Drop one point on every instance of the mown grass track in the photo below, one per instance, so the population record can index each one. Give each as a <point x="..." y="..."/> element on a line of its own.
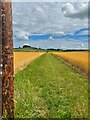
<point x="49" y="88"/>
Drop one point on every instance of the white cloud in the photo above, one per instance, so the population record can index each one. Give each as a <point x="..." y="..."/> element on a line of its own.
<point x="14" y="23"/>
<point x="59" y="33"/>
<point x="39" y="10"/>
<point x="48" y="1"/>
<point x="27" y="44"/>
<point x="51" y="38"/>
<point x="44" y="18"/>
<point x="82" y="45"/>
<point x="84" y="32"/>
<point x="73" y="11"/>
<point x="22" y="35"/>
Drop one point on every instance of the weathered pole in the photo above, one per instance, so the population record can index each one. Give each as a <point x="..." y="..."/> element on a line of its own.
<point x="7" y="61"/>
<point x="0" y="62"/>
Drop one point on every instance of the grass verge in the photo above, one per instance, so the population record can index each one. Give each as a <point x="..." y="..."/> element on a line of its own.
<point x="48" y="88"/>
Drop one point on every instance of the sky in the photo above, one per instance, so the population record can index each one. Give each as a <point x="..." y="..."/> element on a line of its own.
<point x="59" y="25"/>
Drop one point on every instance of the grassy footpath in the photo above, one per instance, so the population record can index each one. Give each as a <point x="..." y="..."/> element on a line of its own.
<point x="51" y="89"/>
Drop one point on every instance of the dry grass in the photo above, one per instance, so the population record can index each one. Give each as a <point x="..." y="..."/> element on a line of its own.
<point x="78" y="59"/>
<point x="22" y="59"/>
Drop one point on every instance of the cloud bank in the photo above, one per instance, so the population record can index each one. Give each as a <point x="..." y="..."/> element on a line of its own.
<point x="76" y="11"/>
<point x="45" y="25"/>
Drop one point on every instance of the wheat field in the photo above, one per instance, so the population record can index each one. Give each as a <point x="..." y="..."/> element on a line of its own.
<point x="22" y="59"/>
<point x="78" y="59"/>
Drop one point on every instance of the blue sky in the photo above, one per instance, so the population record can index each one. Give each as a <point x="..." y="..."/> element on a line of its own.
<point x="51" y="25"/>
<point x="76" y="35"/>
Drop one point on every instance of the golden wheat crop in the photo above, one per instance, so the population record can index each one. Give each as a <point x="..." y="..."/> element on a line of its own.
<point x="78" y="59"/>
<point x="22" y="59"/>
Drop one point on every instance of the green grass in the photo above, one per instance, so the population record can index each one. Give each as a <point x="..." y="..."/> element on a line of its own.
<point x="48" y="88"/>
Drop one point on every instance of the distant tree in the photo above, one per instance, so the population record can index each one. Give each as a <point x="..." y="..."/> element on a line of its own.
<point x="26" y="46"/>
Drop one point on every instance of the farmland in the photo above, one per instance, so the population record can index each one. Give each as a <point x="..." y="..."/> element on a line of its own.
<point x="77" y="59"/>
<point x="22" y="59"/>
<point x="49" y="88"/>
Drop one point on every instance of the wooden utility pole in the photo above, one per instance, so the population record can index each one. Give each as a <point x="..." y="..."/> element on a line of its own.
<point x="0" y="62"/>
<point x="7" y="60"/>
